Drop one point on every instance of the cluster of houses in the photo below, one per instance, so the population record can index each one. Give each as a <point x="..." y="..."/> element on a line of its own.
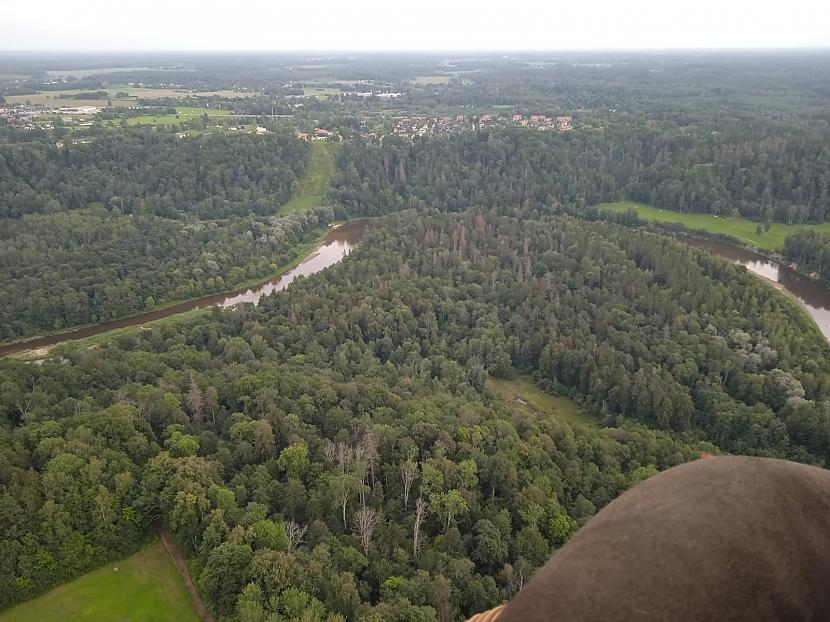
<point x="379" y="95"/>
<point x="25" y="111"/>
<point x="416" y="127"/>
<point x="25" y="117"/>
<point x="78" y="110"/>
<point x="22" y="111"/>
<point x="319" y="133"/>
<point x="544" y="122"/>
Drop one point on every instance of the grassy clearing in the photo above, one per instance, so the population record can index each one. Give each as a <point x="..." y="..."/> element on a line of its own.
<point x="524" y="392"/>
<point x="183" y="114"/>
<point x="49" y="99"/>
<point x="146" y="588"/>
<point x="149" y="93"/>
<point x="53" y="98"/>
<point x="424" y="80"/>
<point x="321" y="91"/>
<point x="315" y="184"/>
<point x="741" y="228"/>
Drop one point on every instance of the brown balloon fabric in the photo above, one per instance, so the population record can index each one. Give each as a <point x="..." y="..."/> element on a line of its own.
<point x="729" y="538"/>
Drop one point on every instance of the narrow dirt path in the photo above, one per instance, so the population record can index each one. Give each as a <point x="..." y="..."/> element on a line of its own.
<point x="178" y="559"/>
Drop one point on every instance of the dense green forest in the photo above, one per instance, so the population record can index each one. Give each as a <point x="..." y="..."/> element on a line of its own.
<point x="138" y="218"/>
<point x="811" y="251"/>
<point x="148" y="172"/>
<point x="736" y="171"/>
<point x="336" y="450"/>
<point x="73" y="268"/>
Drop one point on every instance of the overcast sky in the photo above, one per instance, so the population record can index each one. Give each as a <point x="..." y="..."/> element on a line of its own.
<point x="419" y="25"/>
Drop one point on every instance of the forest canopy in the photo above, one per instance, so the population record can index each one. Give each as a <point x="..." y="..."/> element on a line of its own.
<point x="349" y="458"/>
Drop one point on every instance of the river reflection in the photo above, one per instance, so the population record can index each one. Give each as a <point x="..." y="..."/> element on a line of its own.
<point x="813" y="297"/>
<point x="336" y="245"/>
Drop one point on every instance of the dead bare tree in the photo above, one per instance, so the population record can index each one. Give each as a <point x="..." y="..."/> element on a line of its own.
<point x="344" y="488"/>
<point x="420" y="515"/>
<point x="196" y="401"/>
<point x="514" y="576"/>
<point x="330" y="452"/>
<point x="295" y="533"/>
<point x="344" y="456"/>
<point x="370" y="451"/>
<point x="366" y="521"/>
<point x="360" y="467"/>
<point x="409" y="470"/>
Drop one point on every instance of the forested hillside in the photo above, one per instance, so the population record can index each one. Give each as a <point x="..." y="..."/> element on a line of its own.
<point x="336" y="451"/>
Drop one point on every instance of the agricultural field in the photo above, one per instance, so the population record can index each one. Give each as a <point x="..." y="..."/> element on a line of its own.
<point x="54" y="99"/>
<point x="523" y="390"/>
<point x="85" y="73"/>
<point x="151" y="93"/>
<point x="145" y="588"/>
<point x="740" y="228"/>
<point x="183" y="114"/>
<point x="321" y="91"/>
<point x="315" y="184"/>
<point x="424" y="80"/>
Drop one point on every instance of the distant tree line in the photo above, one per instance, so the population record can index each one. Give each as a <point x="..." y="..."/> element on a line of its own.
<point x="768" y="177"/>
<point x="142" y="171"/>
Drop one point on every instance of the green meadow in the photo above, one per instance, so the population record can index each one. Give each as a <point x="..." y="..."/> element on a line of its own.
<point x="312" y="189"/>
<point x="424" y="80"/>
<point x="145" y="588"/>
<point x="183" y="113"/>
<point x="737" y="227"/>
<point x="57" y="99"/>
<point x="321" y="91"/>
<point x="525" y="393"/>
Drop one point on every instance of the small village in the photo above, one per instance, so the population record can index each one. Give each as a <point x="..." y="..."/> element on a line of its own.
<point x="411" y="128"/>
<point x="418" y="127"/>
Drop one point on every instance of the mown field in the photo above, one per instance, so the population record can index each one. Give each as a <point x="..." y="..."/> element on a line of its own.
<point x="315" y="184"/>
<point x="321" y="91"/>
<point x="524" y="392"/>
<point x="183" y="113"/>
<point x="424" y="80"/>
<point x="146" y="588"/>
<point x="741" y="228"/>
<point x="54" y="99"/>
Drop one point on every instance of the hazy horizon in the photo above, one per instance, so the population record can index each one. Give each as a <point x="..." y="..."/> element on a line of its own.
<point x="430" y="26"/>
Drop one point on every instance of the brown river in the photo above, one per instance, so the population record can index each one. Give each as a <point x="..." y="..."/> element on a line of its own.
<point x="813" y="297"/>
<point x="336" y="245"/>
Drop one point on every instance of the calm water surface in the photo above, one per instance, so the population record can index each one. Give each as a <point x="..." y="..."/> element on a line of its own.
<point x="812" y="296"/>
<point x="336" y="245"/>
